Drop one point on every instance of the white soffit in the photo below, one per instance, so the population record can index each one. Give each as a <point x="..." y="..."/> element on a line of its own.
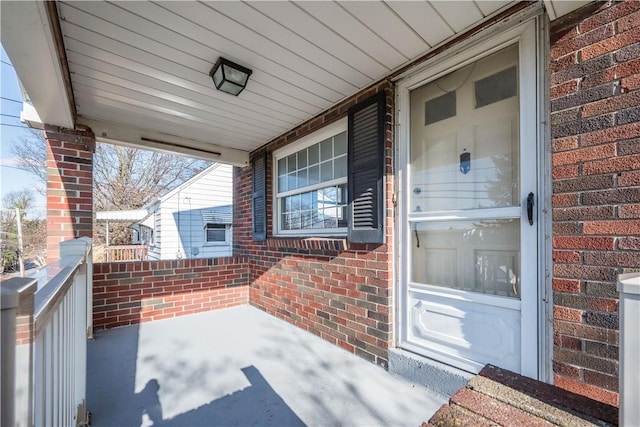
<point x="145" y="65"/>
<point x="559" y="8"/>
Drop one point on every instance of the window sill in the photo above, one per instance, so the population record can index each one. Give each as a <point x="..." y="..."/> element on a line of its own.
<point x="310" y="243"/>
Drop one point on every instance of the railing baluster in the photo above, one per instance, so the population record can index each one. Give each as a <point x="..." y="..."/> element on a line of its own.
<point x="57" y="369"/>
<point x="126" y="253"/>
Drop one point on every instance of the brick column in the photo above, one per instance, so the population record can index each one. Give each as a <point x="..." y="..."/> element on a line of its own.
<point x="595" y="116"/>
<point x="69" y="186"/>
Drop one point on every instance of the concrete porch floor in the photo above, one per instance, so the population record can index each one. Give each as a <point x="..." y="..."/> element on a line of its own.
<point x="241" y="367"/>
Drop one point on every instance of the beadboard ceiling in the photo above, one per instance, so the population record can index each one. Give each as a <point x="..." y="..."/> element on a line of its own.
<point x="146" y="64"/>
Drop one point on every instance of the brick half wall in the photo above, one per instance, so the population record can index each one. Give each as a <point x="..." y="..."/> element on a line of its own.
<point x="595" y="113"/>
<point x="128" y="293"/>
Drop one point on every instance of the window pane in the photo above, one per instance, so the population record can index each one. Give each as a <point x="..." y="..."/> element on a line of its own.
<point x="314" y="174"/>
<point x="340" y="144"/>
<point x="291" y="163"/>
<point x="499" y="86"/>
<point x="306" y="201"/>
<point x="295" y="203"/>
<point x="321" y="209"/>
<point x="302" y="178"/>
<point x="302" y="159"/>
<point x="330" y="218"/>
<point x="305" y="220"/>
<point x="314" y="154"/>
<point x="282" y="167"/>
<point x="440" y="108"/>
<point x="326" y="171"/>
<point x="326" y="149"/>
<point x="340" y="167"/>
<point x="480" y="256"/>
<point x="285" y="222"/>
<point x="295" y="220"/>
<point x="293" y="181"/>
<point x="282" y="183"/>
<point x="215" y="233"/>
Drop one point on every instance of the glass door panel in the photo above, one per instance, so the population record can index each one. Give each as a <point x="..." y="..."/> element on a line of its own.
<point x="465" y="138"/>
<point x="465" y="157"/>
<point x="479" y="256"/>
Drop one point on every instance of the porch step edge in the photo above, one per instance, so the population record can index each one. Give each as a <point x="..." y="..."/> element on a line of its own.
<point x="436" y="376"/>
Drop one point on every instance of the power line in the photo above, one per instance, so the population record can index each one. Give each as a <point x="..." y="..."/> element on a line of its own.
<point x="10" y="115"/>
<point x="9" y="99"/>
<point x="14" y="126"/>
<point x="8" y="63"/>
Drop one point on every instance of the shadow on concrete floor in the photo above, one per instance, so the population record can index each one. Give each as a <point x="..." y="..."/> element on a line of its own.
<point x="240" y="366"/>
<point x="256" y="405"/>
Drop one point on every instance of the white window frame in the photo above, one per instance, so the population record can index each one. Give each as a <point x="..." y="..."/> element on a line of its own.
<point x="218" y="242"/>
<point x="305" y="142"/>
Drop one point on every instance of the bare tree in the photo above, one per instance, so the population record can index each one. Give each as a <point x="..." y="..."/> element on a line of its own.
<point x="20" y="199"/>
<point x="123" y="177"/>
<point x="129" y="178"/>
<point x="32" y="156"/>
<point x="34" y="231"/>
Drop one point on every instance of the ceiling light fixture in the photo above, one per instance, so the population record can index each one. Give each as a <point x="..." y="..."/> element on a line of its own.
<point x="229" y="77"/>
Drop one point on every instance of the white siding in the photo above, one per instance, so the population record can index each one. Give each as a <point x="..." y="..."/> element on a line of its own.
<point x="181" y="228"/>
<point x="154" y="248"/>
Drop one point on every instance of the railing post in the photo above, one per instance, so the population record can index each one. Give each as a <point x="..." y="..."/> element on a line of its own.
<point x="9" y="298"/>
<point x="629" y="288"/>
<point x="15" y="369"/>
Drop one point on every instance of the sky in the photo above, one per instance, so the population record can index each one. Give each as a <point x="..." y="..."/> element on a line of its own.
<point x="12" y="178"/>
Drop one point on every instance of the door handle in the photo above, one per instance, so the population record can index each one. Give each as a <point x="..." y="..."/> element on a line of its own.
<point x="530" y="208"/>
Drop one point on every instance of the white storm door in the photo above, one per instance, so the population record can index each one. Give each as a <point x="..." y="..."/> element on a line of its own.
<point x="470" y="280"/>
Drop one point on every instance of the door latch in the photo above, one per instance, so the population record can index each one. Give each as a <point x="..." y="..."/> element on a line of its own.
<point x="530" y="208"/>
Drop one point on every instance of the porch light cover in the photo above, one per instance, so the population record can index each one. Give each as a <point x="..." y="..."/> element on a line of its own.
<point x="229" y="77"/>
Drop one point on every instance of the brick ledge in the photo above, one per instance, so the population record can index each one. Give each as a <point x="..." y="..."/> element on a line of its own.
<point x="503" y="398"/>
<point x="311" y="243"/>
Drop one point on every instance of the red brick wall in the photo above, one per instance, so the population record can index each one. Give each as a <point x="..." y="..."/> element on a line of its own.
<point x="595" y="113"/>
<point x="127" y="293"/>
<point x="340" y="293"/>
<point x="69" y="186"/>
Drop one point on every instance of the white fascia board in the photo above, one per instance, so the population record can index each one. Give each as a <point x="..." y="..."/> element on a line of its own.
<point x="28" y="39"/>
<point x="548" y="5"/>
<point x="151" y="140"/>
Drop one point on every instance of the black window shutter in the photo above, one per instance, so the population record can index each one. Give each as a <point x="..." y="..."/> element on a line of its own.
<point x="366" y="170"/>
<point x="259" y="197"/>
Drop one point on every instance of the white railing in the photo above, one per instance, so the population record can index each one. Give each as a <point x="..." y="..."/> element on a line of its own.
<point x="124" y="253"/>
<point x="48" y="360"/>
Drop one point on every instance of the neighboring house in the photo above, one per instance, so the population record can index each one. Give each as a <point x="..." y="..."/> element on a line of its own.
<point x="457" y="182"/>
<point x="193" y="220"/>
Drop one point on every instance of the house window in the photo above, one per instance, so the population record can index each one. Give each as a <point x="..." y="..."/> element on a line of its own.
<point x="215" y="233"/>
<point x="311" y="179"/>
<point x="311" y="184"/>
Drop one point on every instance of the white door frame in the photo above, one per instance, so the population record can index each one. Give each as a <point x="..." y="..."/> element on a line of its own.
<point x="536" y="359"/>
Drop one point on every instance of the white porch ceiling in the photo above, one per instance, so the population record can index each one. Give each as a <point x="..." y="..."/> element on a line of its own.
<point x="146" y="65"/>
